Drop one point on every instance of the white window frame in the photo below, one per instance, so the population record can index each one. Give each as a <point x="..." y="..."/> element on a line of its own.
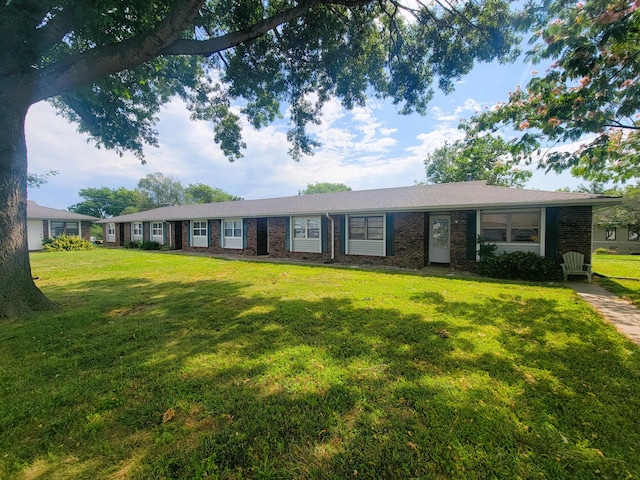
<point x="199" y="233"/>
<point x="306" y="234"/>
<point x="510" y="229"/>
<point x="134" y="229"/>
<point x="155" y="236"/>
<point x="376" y="247"/>
<point x="538" y="247"/>
<point x="235" y="240"/>
<point x="111" y="232"/>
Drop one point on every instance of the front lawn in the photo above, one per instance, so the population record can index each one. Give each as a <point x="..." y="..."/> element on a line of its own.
<point x="172" y="366"/>
<point x="623" y="272"/>
<point x="625" y="266"/>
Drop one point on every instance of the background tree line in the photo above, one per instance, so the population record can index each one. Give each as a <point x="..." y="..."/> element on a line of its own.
<point x="153" y="191"/>
<point x="158" y="190"/>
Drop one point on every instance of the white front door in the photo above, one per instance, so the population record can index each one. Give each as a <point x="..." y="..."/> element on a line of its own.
<point x="34" y="234"/>
<point x="439" y="238"/>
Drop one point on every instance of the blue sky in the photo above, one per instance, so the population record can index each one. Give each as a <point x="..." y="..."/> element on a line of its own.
<point x="370" y="147"/>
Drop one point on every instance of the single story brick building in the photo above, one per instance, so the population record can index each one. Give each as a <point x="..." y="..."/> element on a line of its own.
<point x="405" y="227"/>
<point x="45" y="222"/>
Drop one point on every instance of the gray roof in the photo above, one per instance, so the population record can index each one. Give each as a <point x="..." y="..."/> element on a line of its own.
<point x="37" y="212"/>
<point x="439" y="197"/>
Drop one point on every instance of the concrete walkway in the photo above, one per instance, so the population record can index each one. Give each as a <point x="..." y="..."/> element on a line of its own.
<point x="620" y="313"/>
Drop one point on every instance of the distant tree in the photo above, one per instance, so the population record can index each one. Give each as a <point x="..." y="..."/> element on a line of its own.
<point x="201" y="193"/>
<point x="485" y="159"/>
<point x="324" y="187"/>
<point x="627" y="214"/>
<point x="593" y="187"/>
<point x="96" y="231"/>
<point x="590" y="92"/>
<point x="161" y="190"/>
<point x="105" y="202"/>
<point x="36" y="180"/>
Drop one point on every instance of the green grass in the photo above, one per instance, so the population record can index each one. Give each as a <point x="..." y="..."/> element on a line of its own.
<point x="623" y="275"/>
<point x="625" y="266"/>
<point x="169" y="366"/>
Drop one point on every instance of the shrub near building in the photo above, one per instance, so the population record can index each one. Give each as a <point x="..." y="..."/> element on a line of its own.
<point x="66" y="243"/>
<point x="519" y="266"/>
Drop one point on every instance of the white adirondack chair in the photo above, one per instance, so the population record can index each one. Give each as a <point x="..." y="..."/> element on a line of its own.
<point x="574" y="265"/>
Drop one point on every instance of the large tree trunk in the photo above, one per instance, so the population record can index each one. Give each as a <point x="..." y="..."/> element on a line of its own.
<point x="18" y="293"/>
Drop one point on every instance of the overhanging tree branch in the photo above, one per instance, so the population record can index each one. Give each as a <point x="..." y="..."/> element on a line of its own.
<point x="86" y="67"/>
<point x="224" y="42"/>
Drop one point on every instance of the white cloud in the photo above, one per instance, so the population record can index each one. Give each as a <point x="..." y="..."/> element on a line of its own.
<point x="470" y="106"/>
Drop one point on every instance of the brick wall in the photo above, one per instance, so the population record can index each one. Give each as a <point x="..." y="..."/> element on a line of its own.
<point x="146" y="231"/>
<point x="214" y="239"/>
<point x="574" y="227"/>
<point x="85" y="230"/>
<point x="458" y="250"/>
<point x="408" y="243"/>
<point x="277" y="241"/>
<point x="127" y="233"/>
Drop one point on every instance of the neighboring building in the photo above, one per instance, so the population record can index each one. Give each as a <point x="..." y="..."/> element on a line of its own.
<point x="617" y="239"/>
<point x="44" y="222"/>
<point x="404" y="227"/>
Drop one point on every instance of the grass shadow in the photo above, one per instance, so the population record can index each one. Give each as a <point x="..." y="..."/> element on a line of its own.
<point x="178" y="379"/>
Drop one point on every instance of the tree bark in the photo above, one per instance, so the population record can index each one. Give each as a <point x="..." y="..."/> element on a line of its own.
<point x="18" y="294"/>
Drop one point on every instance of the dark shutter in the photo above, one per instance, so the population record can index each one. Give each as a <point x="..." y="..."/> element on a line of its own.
<point x="343" y="233"/>
<point x="209" y="232"/>
<point x="221" y="233"/>
<point x="190" y="238"/>
<point x="389" y="232"/>
<point x="287" y="234"/>
<point x="245" y="223"/>
<point x="323" y="233"/>
<point x="552" y="233"/>
<point x="472" y="236"/>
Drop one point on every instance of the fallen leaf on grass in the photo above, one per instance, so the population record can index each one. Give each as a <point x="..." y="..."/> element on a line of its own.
<point x="168" y="415"/>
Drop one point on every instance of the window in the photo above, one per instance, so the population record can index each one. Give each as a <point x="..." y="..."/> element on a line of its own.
<point x="306" y="228"/>
<point x="137" y="229"/>
<point x="511" y="227"/>
<point x="65" y="228"/>
<point x="156" y="229"/>
<point x="199" y="229"/>
<point x="233" y="228"/>
<point x="366" y="228"/>
<point x="634" y="234"/>
<point x="610" y="233"/>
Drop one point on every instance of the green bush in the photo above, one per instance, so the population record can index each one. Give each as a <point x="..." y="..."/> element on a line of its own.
<point x="486" y="249"/>
<point x="66" y="243"/>
<point x="147" y="245"/>
<point x="519" y="266"/>
<point x="133" y="244"/>
<point x="600" y="251"/>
